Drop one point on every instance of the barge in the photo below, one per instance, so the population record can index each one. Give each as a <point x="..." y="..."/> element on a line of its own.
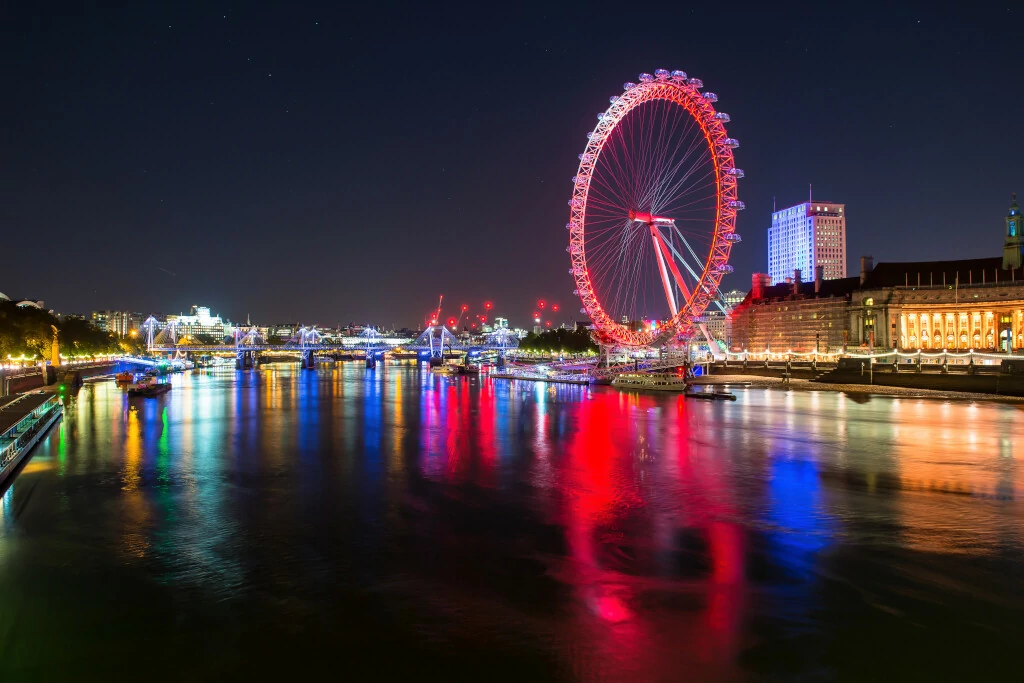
<point x="24" y="421"/>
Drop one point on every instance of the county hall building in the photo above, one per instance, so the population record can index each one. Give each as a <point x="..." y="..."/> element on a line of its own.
<point x="932" y="305"/>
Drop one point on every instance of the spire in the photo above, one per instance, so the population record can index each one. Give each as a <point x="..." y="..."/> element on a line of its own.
<point x="1014" y="208"/>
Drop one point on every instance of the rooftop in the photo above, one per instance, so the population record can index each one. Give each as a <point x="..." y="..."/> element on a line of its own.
<point x="13" y="409"/>
<point x="963" y="273"/>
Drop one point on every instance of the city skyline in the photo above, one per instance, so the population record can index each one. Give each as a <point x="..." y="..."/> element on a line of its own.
<point x="189" y="155"/>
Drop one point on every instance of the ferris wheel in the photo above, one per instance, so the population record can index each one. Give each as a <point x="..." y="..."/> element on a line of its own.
<point x="653" y="211"/>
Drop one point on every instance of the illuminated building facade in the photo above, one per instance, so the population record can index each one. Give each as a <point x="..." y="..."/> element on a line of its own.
<point x="734" y="297"/>
<point x="117" y="322"/>
<point x="806" y="236"/>
<point x="793" y="316"/>
<point x="201" y="322"/>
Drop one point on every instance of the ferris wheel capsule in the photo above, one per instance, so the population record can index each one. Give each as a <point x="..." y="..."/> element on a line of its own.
<point x="732" y="143"/>
<point x="661" y="74"/>
<point x="734" y="172"/>
<point x="679" y="75"/>
<point x="723" y="117"/>
<point x="628" y="85"/>
<point x="710" y="97"/>
<point x="613" y="99"/>
<point x="737" y="204"/>
<point x="696" y="82"/>
<point x="646" y="78"/>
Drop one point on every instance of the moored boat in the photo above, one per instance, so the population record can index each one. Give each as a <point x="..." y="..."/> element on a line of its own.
<point x="124" y="377"/>
<point x="24" y="421"/>
<point x="711" y="395"/>
<point x="148" y="386"/>
<point x="650" y="382"/>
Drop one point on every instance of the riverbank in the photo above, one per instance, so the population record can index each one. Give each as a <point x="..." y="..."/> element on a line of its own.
<point x="800" y="384"/>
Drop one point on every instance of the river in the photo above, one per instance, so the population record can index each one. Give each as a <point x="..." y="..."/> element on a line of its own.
<point x="394" y="524"/>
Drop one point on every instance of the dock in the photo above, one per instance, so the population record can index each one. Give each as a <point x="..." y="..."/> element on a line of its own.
<point x="561" y="379"/>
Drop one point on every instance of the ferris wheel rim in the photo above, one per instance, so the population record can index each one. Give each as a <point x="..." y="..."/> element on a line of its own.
<point x="685" y="93"/>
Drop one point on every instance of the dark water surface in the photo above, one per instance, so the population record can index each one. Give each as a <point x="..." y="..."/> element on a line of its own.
<point x="392" y="524"/>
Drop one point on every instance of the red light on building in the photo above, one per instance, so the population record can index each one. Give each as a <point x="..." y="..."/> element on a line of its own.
<point x="548" y="323"/>
<point x="464" y="307"/>
<point x="487" y="305"/>
<point x="451" y="321"/>
<point x="541" y="304"/>
<point x="554" y="307"/>
<point x="536" y="314"/>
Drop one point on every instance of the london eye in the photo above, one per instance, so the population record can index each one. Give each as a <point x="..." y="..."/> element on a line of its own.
<point x="653" y="211"/>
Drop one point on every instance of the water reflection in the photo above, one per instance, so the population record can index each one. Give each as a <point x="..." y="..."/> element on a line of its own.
<point x="548" y="532"/>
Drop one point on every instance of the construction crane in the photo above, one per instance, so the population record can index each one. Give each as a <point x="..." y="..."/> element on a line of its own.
<point x="437" y="312"/>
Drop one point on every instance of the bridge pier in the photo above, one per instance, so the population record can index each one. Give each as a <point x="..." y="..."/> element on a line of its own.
<point x="308" y="360"/>
<point x="371" y="360"/>
<point x="245" y="360"/>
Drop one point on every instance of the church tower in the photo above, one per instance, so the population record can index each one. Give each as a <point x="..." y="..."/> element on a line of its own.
<point x="1014" y="245"/>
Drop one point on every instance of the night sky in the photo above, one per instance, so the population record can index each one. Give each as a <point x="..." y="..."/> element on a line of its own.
<point x="350" y="163"/>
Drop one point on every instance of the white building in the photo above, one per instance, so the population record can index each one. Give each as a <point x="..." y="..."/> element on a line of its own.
<point x="201" y="322"/>
<point x="805" y="236"/>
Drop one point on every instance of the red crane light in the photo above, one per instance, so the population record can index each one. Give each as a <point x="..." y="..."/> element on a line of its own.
<point x="541" y="303"/>
<point x="451" y="321"/>
<point x="464" y="307"/>
<point x="554" y="307"/>
<point x="536" y="314"/>
<point x="548" y="323"/>
<point x="487" y="305"/>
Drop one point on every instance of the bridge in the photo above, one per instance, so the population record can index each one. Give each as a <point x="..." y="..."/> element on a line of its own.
<point x="432" y="344"/>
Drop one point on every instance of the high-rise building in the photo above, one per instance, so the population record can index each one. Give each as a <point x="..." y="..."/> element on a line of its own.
<point x="118" y="322"/>
<point x="805" y="236"/>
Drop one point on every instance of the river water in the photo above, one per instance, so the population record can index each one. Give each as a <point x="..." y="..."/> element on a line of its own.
<point x="393" y="524"/>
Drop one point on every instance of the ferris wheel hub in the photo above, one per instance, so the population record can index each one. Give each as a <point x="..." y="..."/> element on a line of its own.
<point x="646" y="217"/>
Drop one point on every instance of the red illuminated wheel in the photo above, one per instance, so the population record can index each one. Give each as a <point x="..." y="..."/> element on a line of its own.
<point x="653" y="211"/>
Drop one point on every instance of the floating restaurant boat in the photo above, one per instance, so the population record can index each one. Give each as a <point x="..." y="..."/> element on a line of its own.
<point x="24" y="420"/>
<point x="148" y="386"/>
<point x="124" y="377"/>
<point x="650" y="382"/>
